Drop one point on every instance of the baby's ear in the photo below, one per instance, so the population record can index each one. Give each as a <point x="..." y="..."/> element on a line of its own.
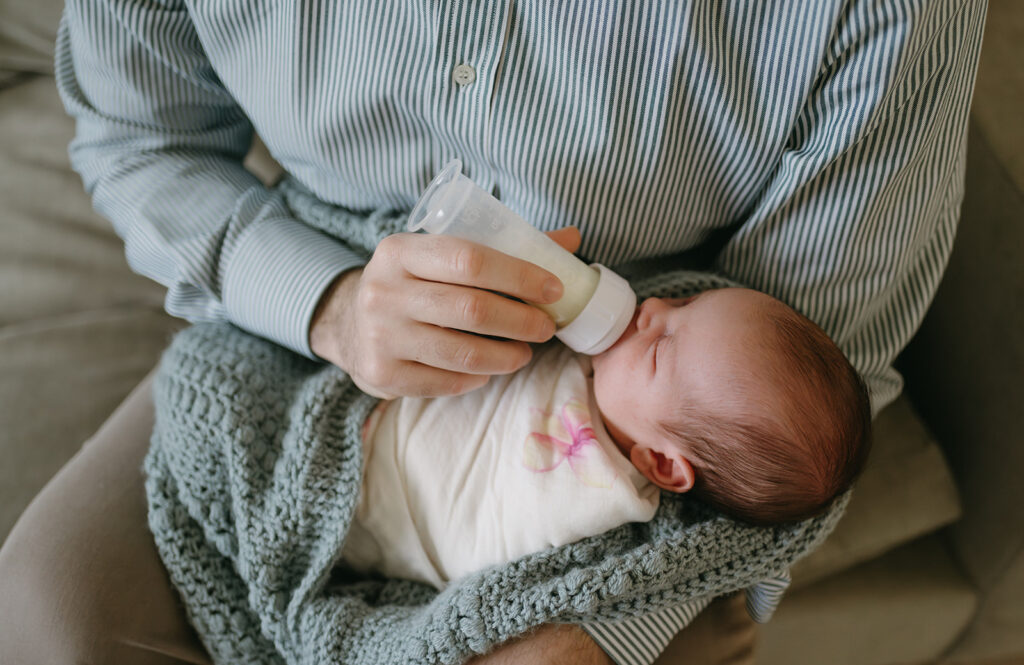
<point x="668" y="469"/>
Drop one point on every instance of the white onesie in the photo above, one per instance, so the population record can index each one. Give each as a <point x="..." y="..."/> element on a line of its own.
<point x="455" y="484"/>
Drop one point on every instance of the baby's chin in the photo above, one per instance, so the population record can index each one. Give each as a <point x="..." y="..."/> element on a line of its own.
<point x="627" y="334"/>
<point x="596" y="361"/>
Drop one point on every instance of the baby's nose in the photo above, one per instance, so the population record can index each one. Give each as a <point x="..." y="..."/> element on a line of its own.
<point x="648" y="310"/>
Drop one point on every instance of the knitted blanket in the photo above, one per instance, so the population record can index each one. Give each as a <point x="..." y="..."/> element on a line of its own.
<point x="254" y="474"/>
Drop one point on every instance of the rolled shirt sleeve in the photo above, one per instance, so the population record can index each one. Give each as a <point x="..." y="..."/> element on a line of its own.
<point x="159" y="145"/>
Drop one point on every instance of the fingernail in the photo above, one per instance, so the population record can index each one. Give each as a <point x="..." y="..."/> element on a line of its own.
<point x="552" y="290"/>
<point x="549" y="330"/>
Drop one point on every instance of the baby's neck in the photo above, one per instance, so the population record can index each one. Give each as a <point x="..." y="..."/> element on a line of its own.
<point x="621" y="441"/>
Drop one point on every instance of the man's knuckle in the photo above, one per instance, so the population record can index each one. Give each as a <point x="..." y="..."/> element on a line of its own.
<point x="474" y="310"/>
<point x="468" y="262"/>
<point x="469" y="357"/>
<point x="375" y="336"/>
<point x="388" y="247"/>
<point x="372" y="296"/>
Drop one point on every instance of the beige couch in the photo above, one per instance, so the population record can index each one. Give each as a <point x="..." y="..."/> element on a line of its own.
<point x="926" y="566"/>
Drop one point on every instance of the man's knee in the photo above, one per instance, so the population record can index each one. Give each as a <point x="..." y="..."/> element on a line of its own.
<point x="45" y="608"/>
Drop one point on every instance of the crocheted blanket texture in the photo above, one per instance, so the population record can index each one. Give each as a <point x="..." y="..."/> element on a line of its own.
<point x="253" y="476"/>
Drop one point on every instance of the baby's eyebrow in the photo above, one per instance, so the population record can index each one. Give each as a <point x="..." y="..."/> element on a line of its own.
<point x="689" y="299"/>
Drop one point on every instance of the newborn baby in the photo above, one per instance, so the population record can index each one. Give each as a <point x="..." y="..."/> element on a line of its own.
<point x="729" y="394"/>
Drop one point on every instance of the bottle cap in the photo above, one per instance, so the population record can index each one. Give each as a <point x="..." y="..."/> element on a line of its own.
<point x="605" y="316"/>
<point x="440" y="201"/>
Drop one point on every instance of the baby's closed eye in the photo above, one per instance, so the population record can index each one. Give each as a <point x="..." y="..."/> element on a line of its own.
<point x="656" y="345"/>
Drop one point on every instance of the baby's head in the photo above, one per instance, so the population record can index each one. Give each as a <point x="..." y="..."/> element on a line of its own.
<point x="733" y="394"/>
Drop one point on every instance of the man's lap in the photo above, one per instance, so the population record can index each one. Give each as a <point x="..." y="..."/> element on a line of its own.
<point x="81" y="581"/>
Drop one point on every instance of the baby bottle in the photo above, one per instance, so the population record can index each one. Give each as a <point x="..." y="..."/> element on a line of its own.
<point x="596" y="304"/>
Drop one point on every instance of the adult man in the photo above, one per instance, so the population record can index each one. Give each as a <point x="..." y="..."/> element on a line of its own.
<point x="824" y="139"/>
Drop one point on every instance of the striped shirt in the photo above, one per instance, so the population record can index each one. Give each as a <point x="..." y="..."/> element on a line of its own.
<point x="824" y="138"/>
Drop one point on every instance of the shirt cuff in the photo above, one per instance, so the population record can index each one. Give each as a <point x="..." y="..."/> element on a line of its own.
<point x="640" y="640"/>
<point x="764" y="597"/>
<point x="278" y="270"/>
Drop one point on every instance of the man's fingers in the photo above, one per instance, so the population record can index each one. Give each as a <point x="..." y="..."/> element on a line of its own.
<point x="568" y="237"/>
<point x="428" y="315"/>
<point x="450" y="260"/>
<point x="477" y="311"/>
<point x="421" y="381"/>
<point x="464" y="353"/>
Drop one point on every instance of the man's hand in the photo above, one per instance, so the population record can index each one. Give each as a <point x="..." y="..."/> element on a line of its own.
<point x="412" y="321"/>
<point x="551" y="644"/>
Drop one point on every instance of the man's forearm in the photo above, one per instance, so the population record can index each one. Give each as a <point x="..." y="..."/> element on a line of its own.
<point x="554" y="644"/>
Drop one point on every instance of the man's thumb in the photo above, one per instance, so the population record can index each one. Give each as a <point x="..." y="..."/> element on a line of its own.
<point x="568" y="237"/>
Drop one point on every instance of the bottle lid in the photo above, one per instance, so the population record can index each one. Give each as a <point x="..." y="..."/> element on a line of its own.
<point x="434" y="211"/>
<point x="604" y="318"/>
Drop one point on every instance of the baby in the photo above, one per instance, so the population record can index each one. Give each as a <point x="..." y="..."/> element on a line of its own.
<point x="729" y="394"/>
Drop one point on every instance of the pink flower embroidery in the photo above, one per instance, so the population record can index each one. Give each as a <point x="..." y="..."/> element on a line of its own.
<point x="568" y="436"/>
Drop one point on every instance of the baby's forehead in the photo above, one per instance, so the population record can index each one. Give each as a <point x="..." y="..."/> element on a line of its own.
<point x="741" y="297"/>
<point x="757" y="323"/>
<point x="736" y="306"/>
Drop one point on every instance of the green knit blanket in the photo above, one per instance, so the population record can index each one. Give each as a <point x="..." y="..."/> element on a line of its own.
<point x="254" y="474"/>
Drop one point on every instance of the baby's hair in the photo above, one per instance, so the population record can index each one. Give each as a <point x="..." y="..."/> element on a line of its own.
<point x="770" y="465"/>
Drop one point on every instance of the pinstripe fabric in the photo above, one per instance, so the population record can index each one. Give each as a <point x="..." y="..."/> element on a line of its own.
<point x="826" y="136"/>
<point x="762" y="599"/>
<point x="641" y="640"/>
<point x="620" y="639"/>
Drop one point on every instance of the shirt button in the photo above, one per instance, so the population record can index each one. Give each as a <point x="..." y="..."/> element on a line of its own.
<point x="463" y="74"/>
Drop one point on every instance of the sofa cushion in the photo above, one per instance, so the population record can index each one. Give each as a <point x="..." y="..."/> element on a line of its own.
<point x="77" y="328"/>
<point x="845" y="621"/>
<point x="56" y="256"/>
<point x="60" y="377"/>
<point x="999" y="89"/>
<point x="28" y="30"/>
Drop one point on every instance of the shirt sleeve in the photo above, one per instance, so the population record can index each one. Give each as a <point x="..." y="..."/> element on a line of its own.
<point x="855" y="226"/>
<point x="763" y="598"/>
<point x="640" y="640"/>
<point x="159" y="144"/>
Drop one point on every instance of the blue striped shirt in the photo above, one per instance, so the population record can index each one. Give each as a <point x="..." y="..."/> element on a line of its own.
<point x="825" y="138"/>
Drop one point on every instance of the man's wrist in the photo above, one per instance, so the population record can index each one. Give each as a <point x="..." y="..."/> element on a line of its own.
<point x="330" y="315"/>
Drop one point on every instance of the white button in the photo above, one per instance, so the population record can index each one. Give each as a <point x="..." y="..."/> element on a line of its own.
<point x="463" y="74"/>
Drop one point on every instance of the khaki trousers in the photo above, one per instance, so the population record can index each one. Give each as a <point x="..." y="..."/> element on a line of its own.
<point x="81" y="581"/>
